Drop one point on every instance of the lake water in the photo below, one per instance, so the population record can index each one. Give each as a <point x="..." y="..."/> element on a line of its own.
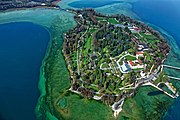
<point x="165" y="14"/>
<point x="92" y="3"/>
<point x="23" y="45"/>
<point x="22" y="48"/>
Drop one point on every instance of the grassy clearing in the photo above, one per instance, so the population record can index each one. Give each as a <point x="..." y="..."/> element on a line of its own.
<point x="74" y="58"/>
<point x="88" y="45"/>
<point x="92" y="30"/>
<point x="100" y="19"/>
<point x="84" y="61"/>
<point x="138" y="69"/>
<point x="137" y="35"/>
<point x="113" y="21"/>
<point x="103" y="22"/>
<point x="153" y="42"/>
<point x="129" y="57"/>
<point x="105" y="65"/>
<point x="93" y="87"/>
<point x="151" y="37"/>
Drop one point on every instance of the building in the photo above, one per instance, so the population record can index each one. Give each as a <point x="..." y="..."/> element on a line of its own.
<point x="134" y="29"/>
<point x="139" y="54"/>
<point x="135" y="64"/>
<point x="125" y="68"/>
<point x="119" y="25"/>
<point x="143" y="47"/>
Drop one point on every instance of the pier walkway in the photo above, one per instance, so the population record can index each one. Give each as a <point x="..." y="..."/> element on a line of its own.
<point x="150" y="84"/>
<point x="174" y="78"/>
<point x="173" y="67"/>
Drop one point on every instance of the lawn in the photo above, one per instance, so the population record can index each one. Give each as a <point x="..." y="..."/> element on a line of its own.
<point x="149" y="58"/>
<point x="153" y="41"/>
<point x="129" y="57"/>
<point x="113" y="21"/>
<point x="105" y="65"/>
<point x="100" y="19"/>
<point x="93" y="87"/>
<point x="151" y="37"/>
<point x="137" y="35"/>
<point x="137" y="69"/>
<point x="104" y="22"/>
<point x="92" y="30"/>
<point x="85" y="61"/>
<point x="74" y="58"/>
<point x="88" y="45"/>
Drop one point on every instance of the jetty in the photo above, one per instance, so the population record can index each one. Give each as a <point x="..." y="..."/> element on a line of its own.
<point x="150" y="84"/>
<point x="174" y="78"/>
<point x="173" y="67"/>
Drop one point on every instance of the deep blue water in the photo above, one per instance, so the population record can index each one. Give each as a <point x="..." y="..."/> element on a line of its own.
<point x="165" y="14"/>
<point x="92" y="3"/>
<point x="22" y="48"/>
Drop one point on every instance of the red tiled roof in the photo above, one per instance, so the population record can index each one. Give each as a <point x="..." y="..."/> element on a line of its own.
<point x="130" y="62"/>
<point x="137" y="29"/>
<point x="139" y="53"/>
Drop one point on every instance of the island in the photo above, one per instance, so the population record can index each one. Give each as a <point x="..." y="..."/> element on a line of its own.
<point x="110" y="57"/>
<point x="101" y="67"/>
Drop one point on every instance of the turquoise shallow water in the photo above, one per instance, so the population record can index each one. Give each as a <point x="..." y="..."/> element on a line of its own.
<point x="38" y="16"/>
<point x="92" y="3"/>
<point x="22" y="48"/>
<point x="157" y="12"/>
<point x="26" y="32"/>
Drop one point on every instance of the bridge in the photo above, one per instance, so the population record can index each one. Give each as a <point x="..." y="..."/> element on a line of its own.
<point x="173" y="67"/>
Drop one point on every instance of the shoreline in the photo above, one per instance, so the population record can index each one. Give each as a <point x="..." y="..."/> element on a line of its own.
<point x="44" y="109"/>
<point x="42" y="72"/>
<point x="37" y="7"/>
<point x="42" y="79"/>
<point x="54" y="5"/>
<point x="44" y="40"/>
<point x="158" y="35"/>
<point x="67" y="23"/>
<point x="169" y="38"/>
<point x="44" y="65"/>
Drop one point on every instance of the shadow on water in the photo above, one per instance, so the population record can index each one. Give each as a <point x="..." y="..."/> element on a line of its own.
<point x="155" y="93"/>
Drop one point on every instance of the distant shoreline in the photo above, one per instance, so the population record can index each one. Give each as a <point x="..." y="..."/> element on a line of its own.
<point x="54" y="6"/>
<point x="45" y="7"/>
<point x="17" y="9"/>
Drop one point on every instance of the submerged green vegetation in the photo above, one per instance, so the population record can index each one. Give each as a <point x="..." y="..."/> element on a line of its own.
<point x="53" y="71"/>
<point x="55" y="79"/>
<point x="110" y="57"/>
<point x="56" y="102"/>
<point x="144" y="106"/>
